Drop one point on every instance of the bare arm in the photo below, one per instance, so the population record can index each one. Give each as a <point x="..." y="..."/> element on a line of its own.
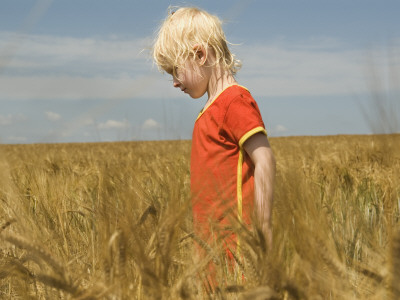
<point x="259" y="150"/>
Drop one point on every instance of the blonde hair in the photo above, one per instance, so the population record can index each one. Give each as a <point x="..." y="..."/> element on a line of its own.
<point x="185" y="28"/>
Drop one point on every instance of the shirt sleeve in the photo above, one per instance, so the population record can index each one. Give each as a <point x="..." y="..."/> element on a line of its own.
<point x="243" y="119"/>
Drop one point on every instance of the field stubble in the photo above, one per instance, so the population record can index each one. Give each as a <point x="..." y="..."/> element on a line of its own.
<point x="113" y="221"/>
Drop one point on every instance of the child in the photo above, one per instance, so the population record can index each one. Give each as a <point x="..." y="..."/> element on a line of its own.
<point x="232" y="164"/>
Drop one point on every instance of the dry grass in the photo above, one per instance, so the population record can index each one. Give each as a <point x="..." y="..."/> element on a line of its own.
<point x="112" y="221"/>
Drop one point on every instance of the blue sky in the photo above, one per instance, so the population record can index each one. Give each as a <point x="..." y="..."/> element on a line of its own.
<point x="79" y="71"/>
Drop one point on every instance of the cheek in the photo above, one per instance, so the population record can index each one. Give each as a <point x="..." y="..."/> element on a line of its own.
<point x="180" y="76"/>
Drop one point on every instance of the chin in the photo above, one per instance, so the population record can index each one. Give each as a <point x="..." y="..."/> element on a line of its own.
<point x="197" y="96"/>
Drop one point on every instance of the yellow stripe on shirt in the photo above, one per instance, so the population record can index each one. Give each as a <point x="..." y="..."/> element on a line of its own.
<point x="245" y="137"/>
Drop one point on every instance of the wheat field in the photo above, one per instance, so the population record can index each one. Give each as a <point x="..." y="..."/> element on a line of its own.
<point x="113" y="221"/>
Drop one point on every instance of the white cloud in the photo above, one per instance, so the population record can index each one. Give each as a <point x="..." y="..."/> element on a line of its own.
<point x="70" y="87"/>
<point x="283" y="72"/>
<point x="86" y="121"/>
<point x="41" y="53"/>
<point x="280" y="128"/>
<point x="112" y="124"/>
<point x="5" y="120"/>
<point x="17" y="139"/>
<point x="320" y="67"/>
<point x="150" y="124"/>
<point x="52" y="116"/>
<point x="11" y="119"/>
<point x="277" y="130"/>
<point x="50" y="67"/>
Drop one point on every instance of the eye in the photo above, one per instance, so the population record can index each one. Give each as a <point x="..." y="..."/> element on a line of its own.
<point x="172" y="71"/>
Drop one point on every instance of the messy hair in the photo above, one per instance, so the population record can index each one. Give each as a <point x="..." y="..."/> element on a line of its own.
<point x="182" y="30"/>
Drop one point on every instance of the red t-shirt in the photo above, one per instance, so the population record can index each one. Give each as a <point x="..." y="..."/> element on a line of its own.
<point x="222" y="182"/>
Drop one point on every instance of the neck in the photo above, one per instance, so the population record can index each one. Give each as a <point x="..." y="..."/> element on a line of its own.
<point x="219" y="81"/>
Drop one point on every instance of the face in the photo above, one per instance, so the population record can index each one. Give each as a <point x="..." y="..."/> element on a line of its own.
<point x="192" y="78"/>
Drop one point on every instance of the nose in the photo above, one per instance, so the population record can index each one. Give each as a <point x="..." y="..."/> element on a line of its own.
<point x="175" y="82"/>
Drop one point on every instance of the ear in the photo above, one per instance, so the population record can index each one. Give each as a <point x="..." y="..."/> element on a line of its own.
<point x="200" y="54"/>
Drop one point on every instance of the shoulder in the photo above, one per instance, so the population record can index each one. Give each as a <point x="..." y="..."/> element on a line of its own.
<point x="242" y="116"/>
<point x="240" y="97"/>
<point x="242" y="108"/>
<point x="236" y="95"/>
<point x="234" y="100"/>
<point x="239" y="90"/>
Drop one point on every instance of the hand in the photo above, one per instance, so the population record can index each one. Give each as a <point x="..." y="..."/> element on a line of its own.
<point x="265" y="235"/>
